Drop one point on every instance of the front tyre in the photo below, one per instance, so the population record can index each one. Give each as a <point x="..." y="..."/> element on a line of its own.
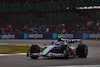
<point x="33" y="57"/>
<point x="34" y="49"/>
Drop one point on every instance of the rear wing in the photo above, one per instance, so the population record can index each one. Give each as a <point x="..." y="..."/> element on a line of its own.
<point x="72" y="40"/>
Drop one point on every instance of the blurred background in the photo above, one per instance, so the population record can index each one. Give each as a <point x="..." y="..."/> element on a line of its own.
<point x="43" y="16"/>
<point x="47" y="19"/>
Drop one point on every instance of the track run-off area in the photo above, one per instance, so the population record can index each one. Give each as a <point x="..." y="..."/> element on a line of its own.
<point x="93" y="57"/>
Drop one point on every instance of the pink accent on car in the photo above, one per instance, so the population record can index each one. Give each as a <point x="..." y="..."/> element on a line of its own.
<point x="60" y="49"/>
<point x="40" y="54"/>
<point x="48" y="54"/>
<point x="42" y="47"/>
<point x="72" y="47"/>
<point x="37" y="48"/>
<point x="86" y="49"/>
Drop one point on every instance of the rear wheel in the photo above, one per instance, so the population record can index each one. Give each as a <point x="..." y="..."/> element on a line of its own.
<point x="82" y="51"/>
<point x="34" y="49"/>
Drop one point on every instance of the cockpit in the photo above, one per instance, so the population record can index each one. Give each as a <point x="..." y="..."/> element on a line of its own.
<point x="57" y="43"/>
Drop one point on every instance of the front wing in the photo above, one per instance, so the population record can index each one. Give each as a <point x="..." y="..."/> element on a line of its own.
<point x="48" y="55"/>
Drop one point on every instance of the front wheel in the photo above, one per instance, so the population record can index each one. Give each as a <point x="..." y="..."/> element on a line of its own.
<point x="33" y="57"/>
<point x="34" y="49"/>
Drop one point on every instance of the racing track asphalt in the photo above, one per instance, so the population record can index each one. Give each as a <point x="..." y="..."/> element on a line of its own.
<point x="23" y="61"/>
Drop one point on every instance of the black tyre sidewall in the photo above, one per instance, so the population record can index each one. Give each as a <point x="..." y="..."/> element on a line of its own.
<point x="33" y="50"/>
<point x="81" y="51"/>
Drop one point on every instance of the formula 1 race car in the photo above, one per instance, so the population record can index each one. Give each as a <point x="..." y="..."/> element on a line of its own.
<point x="60" y="48"/>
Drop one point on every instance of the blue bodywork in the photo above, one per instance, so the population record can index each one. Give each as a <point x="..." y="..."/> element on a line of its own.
<point x="51" y="47"/>
<point x="56" y="46"/>
<point x="62" y="42"/>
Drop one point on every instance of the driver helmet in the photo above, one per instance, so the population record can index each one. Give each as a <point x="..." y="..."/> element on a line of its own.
<point x="60" y="38"/>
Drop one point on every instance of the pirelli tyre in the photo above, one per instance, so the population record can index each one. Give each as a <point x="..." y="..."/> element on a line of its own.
<point x="66" y="51"/>
<point x="34" y="49"/>
<point x="82" y="51"/>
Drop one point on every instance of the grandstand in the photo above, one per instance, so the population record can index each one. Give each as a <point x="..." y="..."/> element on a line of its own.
<point x="13" y="5"/>
<point x="56" y="15"/>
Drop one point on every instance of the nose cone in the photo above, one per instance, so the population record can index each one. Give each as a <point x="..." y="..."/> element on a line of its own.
<point x="47" y="50"/>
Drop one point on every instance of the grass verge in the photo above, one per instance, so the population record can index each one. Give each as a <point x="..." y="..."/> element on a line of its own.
<point x="10" y="49"/>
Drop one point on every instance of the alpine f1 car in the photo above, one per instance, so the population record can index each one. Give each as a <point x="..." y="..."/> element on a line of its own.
<point x="60" y="48"/>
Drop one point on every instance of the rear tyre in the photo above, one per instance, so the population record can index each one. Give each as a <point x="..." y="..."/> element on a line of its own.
<point x="82" y="51"/>
<point x="34" y="49"/>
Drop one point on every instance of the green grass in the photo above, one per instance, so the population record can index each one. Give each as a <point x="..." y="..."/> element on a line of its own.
<point x="10" y="49"/>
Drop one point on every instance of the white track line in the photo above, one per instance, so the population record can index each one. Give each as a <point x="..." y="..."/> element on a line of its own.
<point x="12" y="54"/>
<point x="76" y="66"/>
